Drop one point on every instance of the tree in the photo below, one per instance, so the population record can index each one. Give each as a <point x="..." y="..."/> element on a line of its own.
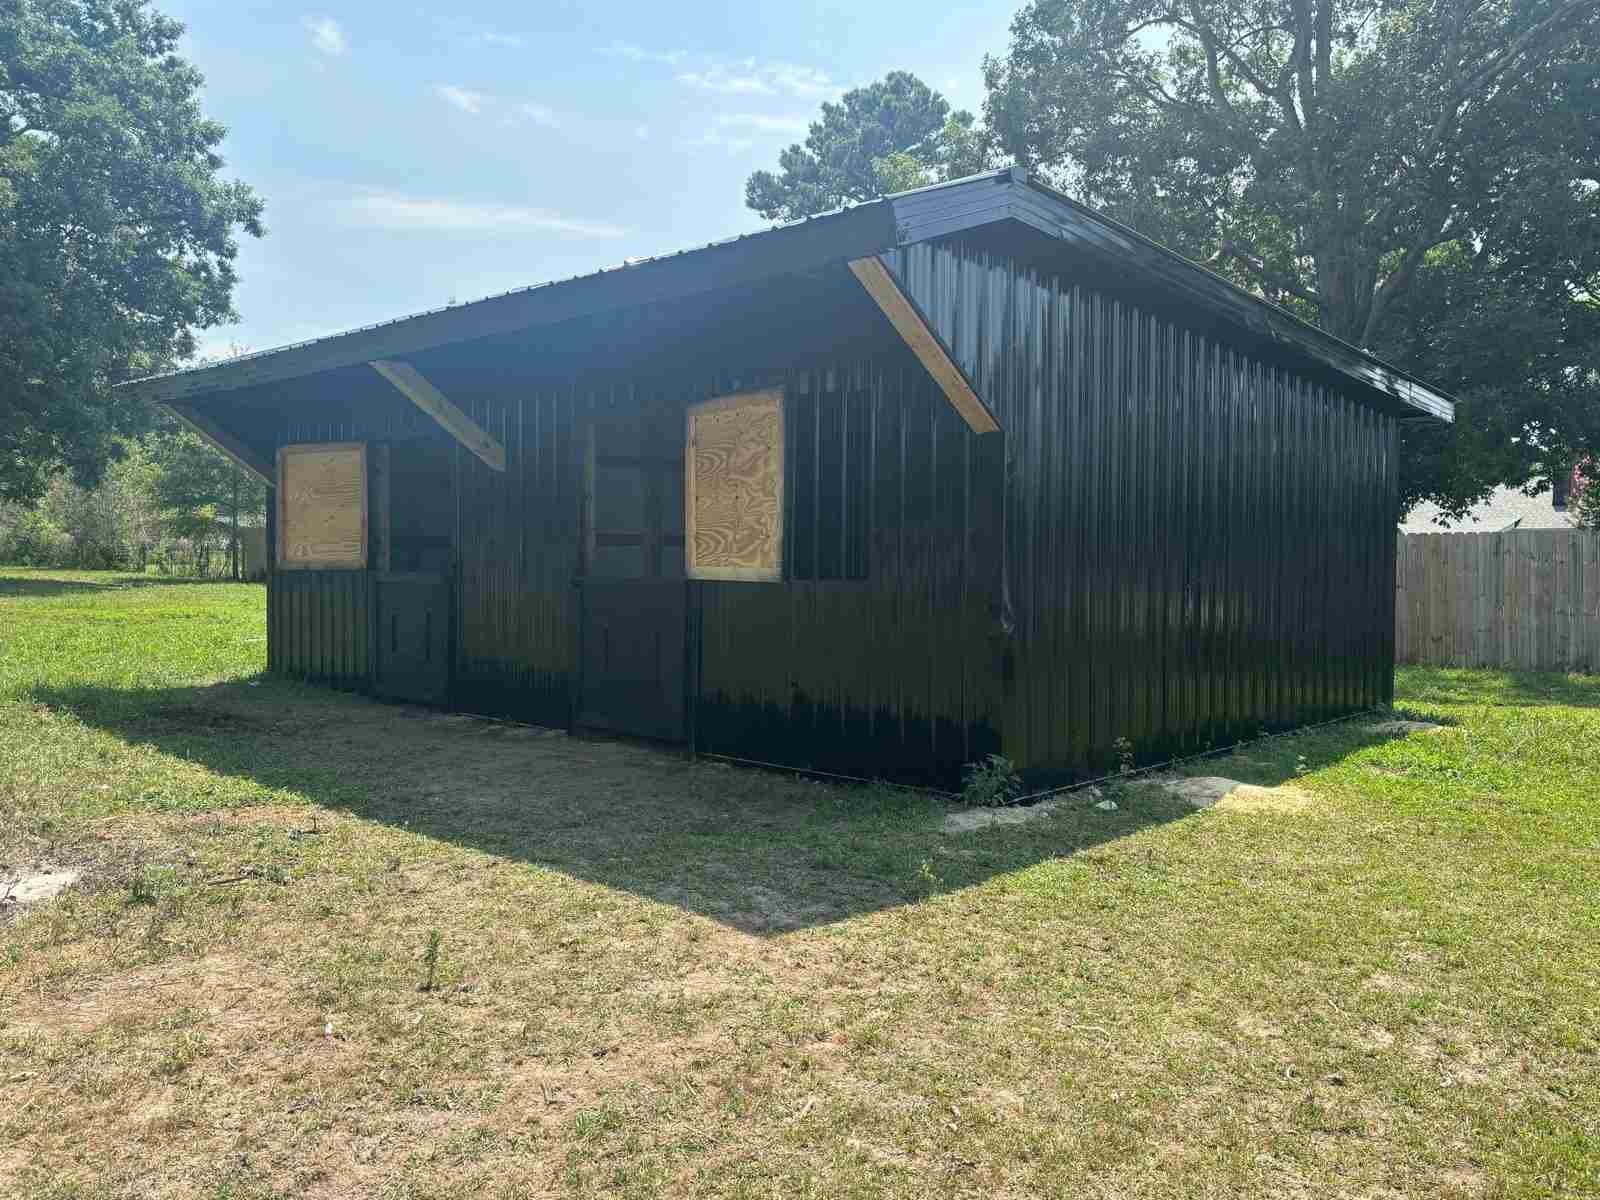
<point x="1586" y="497"/>
<point x="1355" y="160"/>
<point x="891" y="135"/>
<point x="117" y="234"/>
<point x="198" y="489"/>
<point x="1522" y="356"/>
<point x="111" y="525"/>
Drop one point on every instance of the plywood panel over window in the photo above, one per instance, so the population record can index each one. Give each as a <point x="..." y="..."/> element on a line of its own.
<point x="322" y="505"/>
<point x="734" y="494"/>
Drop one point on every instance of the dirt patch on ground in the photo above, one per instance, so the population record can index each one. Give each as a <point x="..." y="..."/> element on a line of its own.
<point x="21" y="886"/>
<point x="970" y="820"/>
<point x="1214" y="792"/>
<point x="1221" y="794"/>
<point x="1382" y="981"/>
<point x="225" y="988"/>
<point x="1403" y="727"/>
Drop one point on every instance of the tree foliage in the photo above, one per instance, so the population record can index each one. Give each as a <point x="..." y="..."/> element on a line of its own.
<point x="117" y="233"/>
<point x="195" y="486"/>
<point x="895" y="134"/>
<point x="166" y="502"/>
<point x="1586" y="496"/>
<point x="1416" y="176"/>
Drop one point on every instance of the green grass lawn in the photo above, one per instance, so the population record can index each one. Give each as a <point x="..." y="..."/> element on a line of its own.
<point x="325" y="947"/>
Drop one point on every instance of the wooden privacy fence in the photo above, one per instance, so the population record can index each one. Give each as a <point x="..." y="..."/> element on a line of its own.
<point x="1527" y="599"/>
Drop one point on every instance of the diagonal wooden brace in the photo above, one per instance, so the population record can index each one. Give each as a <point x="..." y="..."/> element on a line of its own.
<point x="223" y="442"/>
<point x="414" y="386"/>
<point x="914" y="330"/>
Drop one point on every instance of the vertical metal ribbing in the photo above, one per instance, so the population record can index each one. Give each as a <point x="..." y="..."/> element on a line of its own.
<point x="1197" y="540"/>
<point x="1055" y="398"/>
<point x="1095" y="392"/>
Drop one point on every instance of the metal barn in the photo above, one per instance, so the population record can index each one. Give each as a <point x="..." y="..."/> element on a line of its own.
<point x="966" y="470"/>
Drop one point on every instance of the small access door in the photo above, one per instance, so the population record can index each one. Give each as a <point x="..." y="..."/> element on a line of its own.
<point x="634" y="595"/>
<point x="413" y="638"/>
<point x="414" y="552"/>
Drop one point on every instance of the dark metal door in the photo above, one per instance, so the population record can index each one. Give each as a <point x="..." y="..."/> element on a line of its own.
<point x="633" y="657"/>
<point x="634" y="597"/>
<point x="413" y="637"/>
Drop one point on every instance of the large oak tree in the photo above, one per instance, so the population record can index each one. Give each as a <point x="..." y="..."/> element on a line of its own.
<point x="1416" y="176"/>
<point x="117" y="231"/>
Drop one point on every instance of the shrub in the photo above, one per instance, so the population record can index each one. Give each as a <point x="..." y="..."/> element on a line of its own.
<point x="991" y="782"/>
<point x="29" y="538"/>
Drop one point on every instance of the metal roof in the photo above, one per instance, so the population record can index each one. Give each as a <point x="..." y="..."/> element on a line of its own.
<point x="938" y="210"/>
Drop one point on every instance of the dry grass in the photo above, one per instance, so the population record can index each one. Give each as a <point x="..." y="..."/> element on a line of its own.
<point x="663" y="979"/>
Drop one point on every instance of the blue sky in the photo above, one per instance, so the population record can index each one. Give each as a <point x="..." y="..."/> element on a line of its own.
<point x="414" y="156"/>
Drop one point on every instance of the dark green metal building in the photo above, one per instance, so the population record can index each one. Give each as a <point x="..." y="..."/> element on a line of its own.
<point x="1003" y="477"/>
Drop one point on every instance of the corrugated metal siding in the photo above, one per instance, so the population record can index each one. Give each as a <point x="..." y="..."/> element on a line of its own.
<point x="1198" y="543"/>
<point x="873" y="662"/>
<point x="892" y="672"/>
<point x="878" y="659"/>
<point x="318" y="626"/>
<point x="1189" y="544"/>
<point x="517" y="552"/>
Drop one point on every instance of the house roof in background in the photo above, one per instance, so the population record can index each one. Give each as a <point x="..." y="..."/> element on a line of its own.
<point x="1507" y="508"/>
<point x="960" y="206"/>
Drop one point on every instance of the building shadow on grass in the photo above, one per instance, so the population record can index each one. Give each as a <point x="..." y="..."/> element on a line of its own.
<point x="764" y="852"/>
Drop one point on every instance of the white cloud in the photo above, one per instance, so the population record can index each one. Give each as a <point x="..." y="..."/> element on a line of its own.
<point x="467" y="100"/>
<point x="478" y="37"/>
<point x="733" y="77"/>
<point x="635" y="53"/>
<point x="326" y="35"/>
<point x="475" y="103"/>
<point x="503" y="41"/>
<point x="398" y="211"/>
<point x="802" y="81"/>
<point x="763" y="123"/>
<point x="726" y="82"/>
<point x="537" y="113"/>
<point x="720" y="141"/>
<point x="756" y="79"/>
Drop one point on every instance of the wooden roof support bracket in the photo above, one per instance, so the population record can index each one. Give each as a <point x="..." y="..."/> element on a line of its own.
<point x="925" y="344"/>
<point x="415" y="387"/>
<point x="223" y="442"/>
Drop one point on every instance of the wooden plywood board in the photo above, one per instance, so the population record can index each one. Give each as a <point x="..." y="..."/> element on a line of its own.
<point x="322" y="506"/>
<point x="924" y="343"/>
<point x="733" y="491"/>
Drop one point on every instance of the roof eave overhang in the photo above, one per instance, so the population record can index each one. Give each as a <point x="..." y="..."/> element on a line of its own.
<point x="807" y="245"/>
<point x="855" y="233"/>
<point x="941" y="210"/>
